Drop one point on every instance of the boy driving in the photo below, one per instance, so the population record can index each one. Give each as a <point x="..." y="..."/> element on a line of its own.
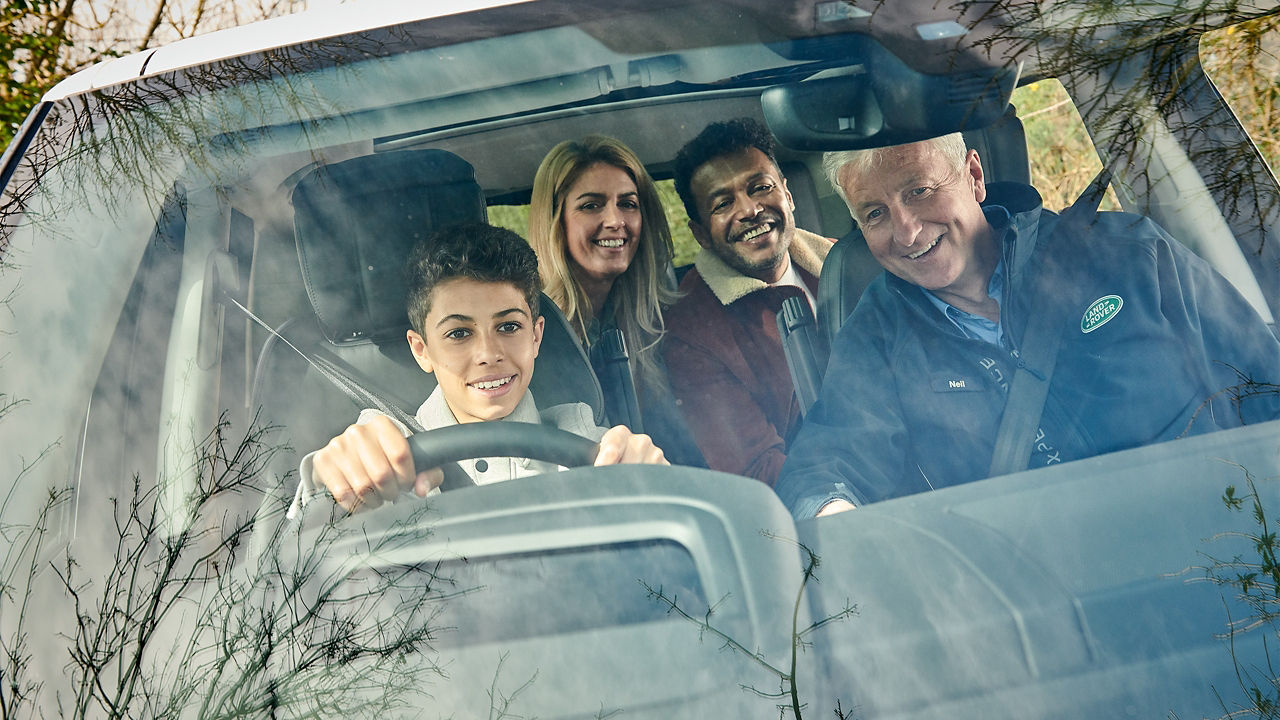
<point x="473" y="294"/>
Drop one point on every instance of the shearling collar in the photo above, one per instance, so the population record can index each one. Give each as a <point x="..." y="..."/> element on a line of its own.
<point x="807" y="251"/>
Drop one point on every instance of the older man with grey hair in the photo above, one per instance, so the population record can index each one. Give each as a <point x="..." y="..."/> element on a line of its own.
<point x="1003" y="336"/>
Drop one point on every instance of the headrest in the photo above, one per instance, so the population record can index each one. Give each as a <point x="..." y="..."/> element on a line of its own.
<point x="1002" y="147"/>
<point x="355" y="222"/>
<point x="805" y="194"/>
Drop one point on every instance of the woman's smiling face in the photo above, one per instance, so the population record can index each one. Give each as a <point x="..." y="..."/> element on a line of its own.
<point x="602" y="223"/>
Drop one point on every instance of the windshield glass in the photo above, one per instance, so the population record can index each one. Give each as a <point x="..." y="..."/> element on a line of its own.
<point x="203" y="277"/>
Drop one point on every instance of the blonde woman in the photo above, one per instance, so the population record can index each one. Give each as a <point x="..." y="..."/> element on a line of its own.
<point x="603" y="246"/>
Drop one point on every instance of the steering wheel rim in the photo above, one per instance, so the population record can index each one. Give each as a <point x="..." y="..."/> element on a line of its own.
<point x="444" y="447"/>
<point x="547" y="443"/>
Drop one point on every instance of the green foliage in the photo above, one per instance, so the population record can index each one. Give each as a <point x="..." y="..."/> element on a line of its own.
<point x="512" y="217"/>
<point x="1063" y="159"/>
<point x="686" y="247"/>
<point x="34" y="37"/>
<point x="1254" y="580"/>
<point x="1244" y="62"/>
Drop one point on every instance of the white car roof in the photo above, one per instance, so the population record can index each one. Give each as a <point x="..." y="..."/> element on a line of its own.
<point x="264" y="35"/>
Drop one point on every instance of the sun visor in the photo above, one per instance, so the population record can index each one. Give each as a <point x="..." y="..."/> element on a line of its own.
<point x="880" y="101"/>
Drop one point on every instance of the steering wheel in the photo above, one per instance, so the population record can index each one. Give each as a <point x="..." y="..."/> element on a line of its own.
<point x="444" y="446"/>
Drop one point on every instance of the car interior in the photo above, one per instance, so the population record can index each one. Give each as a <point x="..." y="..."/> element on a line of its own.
<point x="319" y="306"/>
<point x="300" y="316"/>
<point x="354" y="223"/>
<point x="257" y="287"/>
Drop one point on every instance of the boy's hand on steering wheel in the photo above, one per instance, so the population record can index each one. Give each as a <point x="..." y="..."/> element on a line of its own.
<point x="620" y="445"/>
<point x="370" y="464"/>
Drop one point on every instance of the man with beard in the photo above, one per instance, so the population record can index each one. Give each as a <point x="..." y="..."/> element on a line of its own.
<point x="723" y="353"/>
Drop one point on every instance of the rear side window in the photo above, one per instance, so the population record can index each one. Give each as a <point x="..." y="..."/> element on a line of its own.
<point x="1063" y="158"/>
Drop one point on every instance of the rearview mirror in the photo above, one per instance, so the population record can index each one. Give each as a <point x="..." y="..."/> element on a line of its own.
<point x="883" y="102"/>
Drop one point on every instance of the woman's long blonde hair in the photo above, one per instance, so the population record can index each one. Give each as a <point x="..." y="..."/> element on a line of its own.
<point x="638" y="294"/>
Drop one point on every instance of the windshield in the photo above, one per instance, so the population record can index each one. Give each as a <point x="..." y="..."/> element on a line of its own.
<point x="203" y="279"/>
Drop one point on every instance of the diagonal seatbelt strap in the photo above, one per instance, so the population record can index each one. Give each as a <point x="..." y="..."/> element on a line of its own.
<point x="361" y="394"/>
<point x="454" y="476"/>
<point x="1027" y="393"/>
<point x="1039" y="355"/>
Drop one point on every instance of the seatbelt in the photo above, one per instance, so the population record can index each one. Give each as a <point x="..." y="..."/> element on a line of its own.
<point x="454" y="476"/>
<point x="1039" y="354"/>
<point x="612" y="363"/>
<point x="802" y="344"/>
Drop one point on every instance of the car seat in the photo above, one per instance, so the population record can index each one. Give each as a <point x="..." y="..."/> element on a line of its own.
<point x="850" y="267"/>
<point x="354" y="224"/>
<point x="804" y="191"/>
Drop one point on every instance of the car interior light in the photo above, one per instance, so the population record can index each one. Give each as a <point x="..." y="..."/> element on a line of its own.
<point x="839" y="10"/>
<point x="941" y="30"/>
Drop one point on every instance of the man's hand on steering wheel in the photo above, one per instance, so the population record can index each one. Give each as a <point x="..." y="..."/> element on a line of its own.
<point x="369" y="464"/>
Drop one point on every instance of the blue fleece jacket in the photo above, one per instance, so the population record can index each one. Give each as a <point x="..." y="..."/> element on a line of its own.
<point x="1155" y="346"/>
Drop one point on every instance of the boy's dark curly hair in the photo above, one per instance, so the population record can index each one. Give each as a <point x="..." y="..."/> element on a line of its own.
<point x="470" y="250"/>
<point x="716" y="139"/>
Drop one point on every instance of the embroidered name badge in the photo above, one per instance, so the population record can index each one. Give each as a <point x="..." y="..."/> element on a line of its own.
<point x="951" y="383"/>
<point x="1100" y="312"/>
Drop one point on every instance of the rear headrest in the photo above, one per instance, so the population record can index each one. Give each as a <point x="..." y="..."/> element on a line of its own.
<point x="1002" y="147"/>
<point x="805" y="195"/>
<point x="355" y="222"/>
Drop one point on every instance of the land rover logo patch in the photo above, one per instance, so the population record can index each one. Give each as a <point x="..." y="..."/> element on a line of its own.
<point x="1100" y="311"/>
